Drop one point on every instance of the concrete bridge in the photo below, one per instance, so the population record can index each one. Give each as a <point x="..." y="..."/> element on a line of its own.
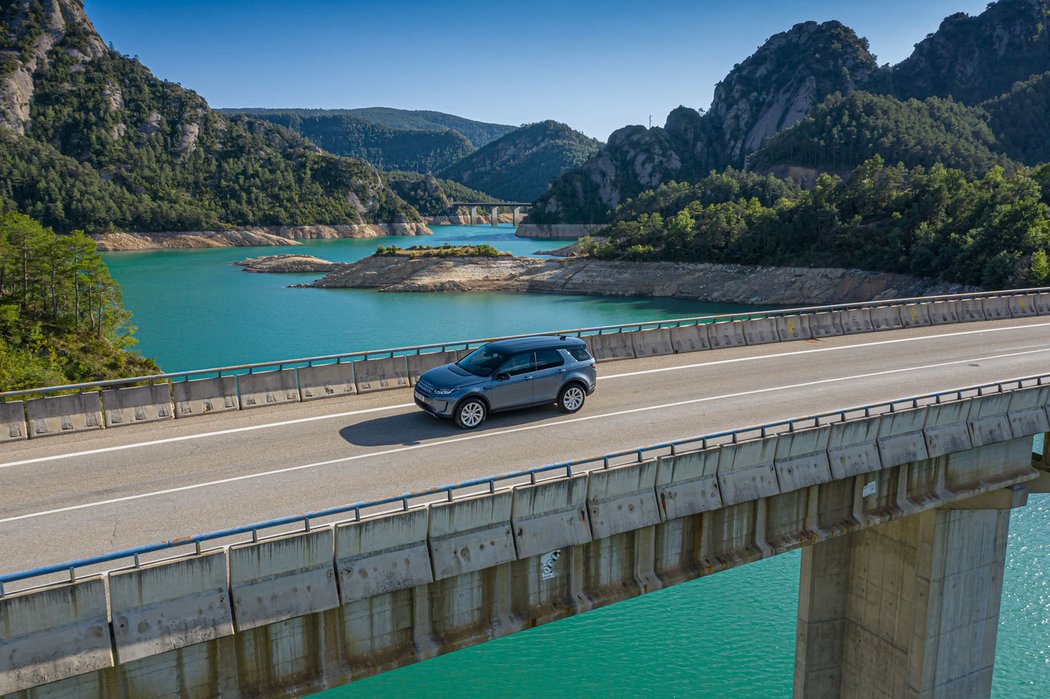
<point x="494" y="206"/>
<point x="901" y="505"/>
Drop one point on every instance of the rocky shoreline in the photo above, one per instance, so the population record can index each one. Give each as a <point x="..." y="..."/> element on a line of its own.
<point x="258" y="236"/>
<point x="706" y="282"/>
<point x="293" y="264"/>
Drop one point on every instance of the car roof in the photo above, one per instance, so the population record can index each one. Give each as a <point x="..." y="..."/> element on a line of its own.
<point x="518" y="344"/>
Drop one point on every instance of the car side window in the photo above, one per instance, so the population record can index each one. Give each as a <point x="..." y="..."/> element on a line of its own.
<point x="518" y="364"/>
<point x="548" y="359"/>
<point x="580" y="354"/>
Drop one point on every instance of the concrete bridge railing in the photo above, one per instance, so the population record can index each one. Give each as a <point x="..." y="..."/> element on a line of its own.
<point x="98" y="405"/>
<point x="907" y="496"/>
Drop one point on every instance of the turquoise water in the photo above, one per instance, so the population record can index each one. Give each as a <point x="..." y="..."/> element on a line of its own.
<point x="730" y="633"/>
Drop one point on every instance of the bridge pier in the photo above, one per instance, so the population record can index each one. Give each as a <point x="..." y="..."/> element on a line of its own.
<point x="495" y="216"/>
<point x="517" y="216"/>
<point x="909" y="608"/>
<point x="473" y="215"/>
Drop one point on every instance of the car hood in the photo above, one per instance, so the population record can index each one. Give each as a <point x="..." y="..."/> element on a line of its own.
<point x="450" y="376"/>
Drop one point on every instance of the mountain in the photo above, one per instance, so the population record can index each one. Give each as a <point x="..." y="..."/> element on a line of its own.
<point x="384" y="147"/>
<point x="479" y="133"/>
<point x="794" y="76"/>
<point x="93" y="140"/>
<point x="428" y="194"/>
<point x="973" y="59"/>
<point x="521" y="165"/>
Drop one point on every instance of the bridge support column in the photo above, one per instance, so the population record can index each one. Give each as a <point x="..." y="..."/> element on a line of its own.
<point x="517" y="216"/>
<point x="473" y="215"/>
<point x="906" y="609"/>
<point x="495" y="216"/>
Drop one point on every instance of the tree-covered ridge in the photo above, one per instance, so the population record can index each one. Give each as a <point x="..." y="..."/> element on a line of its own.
<point x="383" y="147"/>
<point x="162" y="159"/>
<point x="1019" y="120"/>
<point x="845" y="130"/>
<point x="992" y="231"/>
<point x="428" y="194"/>
<point x="61" y="317"/>
<point x="521" y="165"/>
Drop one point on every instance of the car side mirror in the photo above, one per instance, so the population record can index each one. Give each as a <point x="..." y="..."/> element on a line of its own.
<point x="502" y="376"/>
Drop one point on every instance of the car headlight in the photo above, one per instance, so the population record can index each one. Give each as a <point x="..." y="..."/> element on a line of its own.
<point x="442" y="391"/>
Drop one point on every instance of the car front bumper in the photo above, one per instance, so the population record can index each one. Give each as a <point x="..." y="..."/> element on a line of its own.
<point x="441" y="407"/>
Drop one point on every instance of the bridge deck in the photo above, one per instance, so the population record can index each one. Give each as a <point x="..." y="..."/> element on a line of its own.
<point x="79" y="495"/>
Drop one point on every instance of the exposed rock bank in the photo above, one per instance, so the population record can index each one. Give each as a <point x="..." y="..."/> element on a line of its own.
<point x="556" y="231"/>
<point x="272" y="264"/>
<point x="263" y="236"/>
<point x="708" y="282"/>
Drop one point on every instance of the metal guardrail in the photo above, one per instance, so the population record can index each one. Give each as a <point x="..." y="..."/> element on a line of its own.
<point x="467" y="344"/>
<point x="448" y="493"/>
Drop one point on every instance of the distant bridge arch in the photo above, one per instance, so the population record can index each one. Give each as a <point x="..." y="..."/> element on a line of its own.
<point x="516" y="208"/>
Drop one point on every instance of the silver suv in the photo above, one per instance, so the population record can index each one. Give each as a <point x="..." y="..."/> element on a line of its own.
<point x="509" y="374"/>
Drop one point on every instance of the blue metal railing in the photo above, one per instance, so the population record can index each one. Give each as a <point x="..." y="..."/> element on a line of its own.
<point x="565" y="469"/>
<point x="467" y="344"/>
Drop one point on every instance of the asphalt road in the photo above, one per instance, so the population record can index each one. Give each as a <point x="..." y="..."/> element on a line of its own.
<point x="74" y="496"/>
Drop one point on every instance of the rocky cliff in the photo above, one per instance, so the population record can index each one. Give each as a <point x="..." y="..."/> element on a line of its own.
<point x="261" y="236"/>
<point x="716" y="283"/>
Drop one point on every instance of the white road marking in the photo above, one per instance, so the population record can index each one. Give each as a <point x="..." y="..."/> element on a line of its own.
<point x="401" y="406"/>
<point x="525" y="428"/>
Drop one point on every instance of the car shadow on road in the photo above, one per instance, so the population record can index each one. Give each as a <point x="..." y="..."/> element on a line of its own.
<point x="407" y="429"/>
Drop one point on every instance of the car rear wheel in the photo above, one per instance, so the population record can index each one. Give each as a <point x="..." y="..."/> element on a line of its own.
<point x="471" y="413"/>
<point x="571" y="398"/>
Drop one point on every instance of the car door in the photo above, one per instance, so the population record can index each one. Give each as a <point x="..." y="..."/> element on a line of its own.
<point x="547" y="375"/>
<point x="511" y="385"/>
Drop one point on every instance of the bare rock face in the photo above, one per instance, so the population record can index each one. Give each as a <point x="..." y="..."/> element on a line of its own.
<point x="275" y="264"/>
<point x="262" y="236"/>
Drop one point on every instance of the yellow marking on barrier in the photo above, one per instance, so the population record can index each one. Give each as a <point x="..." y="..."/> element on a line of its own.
<point x="914" y="315"/>
<point x="791" y="326"/>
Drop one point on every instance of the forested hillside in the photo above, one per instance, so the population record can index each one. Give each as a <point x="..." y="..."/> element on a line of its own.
<point x="61" y="317"/>
<point x="93" y="140"/>
<point x="431" y="196"/>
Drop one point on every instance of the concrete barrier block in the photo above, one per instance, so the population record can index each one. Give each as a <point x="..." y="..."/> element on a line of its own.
<point x="989" y="420"/>
<point x="80" y="412"/>
<point x="761" y="331"/>
<point x="946" y="429"/>
<point x="690" y="338"/>
<point x="51" y="634"/>
<point x="825" y="324"/>
<point x="420" y="363"/>
<point x="612" y="346"/>
<point x="622" y="498"/>
<point x="853" y="448"/>
<point x="327" y="381"/>
<point x="687" y="484"/>
<point x="969" y="310"/>
<point x="550" y="515"/>
<point x="653" y="343"/>
<point x="901" y="439"/>
<point x="1042" y="302"/>
<point x="1023" y="305"/>
<point x="471" y="534"/>
<point x="886" y="318"/>
<point x="801" y="459"/>
<point x="857" y="320"/>
<point x="943" y="312"/>
<point x="1027" y="412"/>
<point x="793" y="328"/>
<point x="203" y="396"/>
<point x="12" y="421"/>
<point x="162" y="607"/>
<point x="282" y="578"/>
<point x="996" y="308"/>
<point x="382" y="554"/>
<point x="915" y="315"/>
<point x="746" y="471"/>
<point x="128" y="406"/>
<point x="267" y="388"/>
<point x="726" y="334"/>
<point x="381" y="374"/>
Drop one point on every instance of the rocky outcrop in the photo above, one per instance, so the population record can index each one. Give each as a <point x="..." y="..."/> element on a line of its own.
<point x="707" y="282"/>
<point x="276" y="264"/>
<point x="271" y="236"/>
<point x="556" y="231"/>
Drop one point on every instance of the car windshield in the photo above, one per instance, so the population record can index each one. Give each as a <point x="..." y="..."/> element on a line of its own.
<point x="482" y="361"/>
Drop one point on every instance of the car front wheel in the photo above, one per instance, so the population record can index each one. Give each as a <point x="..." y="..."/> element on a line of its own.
<point x="571" y="398"/>
<point x="471" y="413"/>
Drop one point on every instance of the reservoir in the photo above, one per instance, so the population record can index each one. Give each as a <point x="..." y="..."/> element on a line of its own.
<point x="728" y="634"/>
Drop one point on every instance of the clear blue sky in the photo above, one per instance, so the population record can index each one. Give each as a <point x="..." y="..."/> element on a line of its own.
<point x="594" y="65"/>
